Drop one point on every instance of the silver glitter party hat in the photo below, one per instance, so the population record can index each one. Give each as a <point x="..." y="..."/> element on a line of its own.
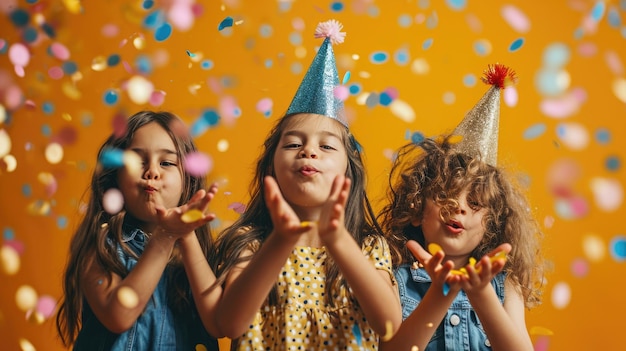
<point x="479" y="128"/>
<point x="316" y="93"/>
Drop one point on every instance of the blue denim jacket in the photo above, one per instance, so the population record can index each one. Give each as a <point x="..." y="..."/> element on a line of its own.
<point x="157" y="328"/>
<point x="460" y="329"/>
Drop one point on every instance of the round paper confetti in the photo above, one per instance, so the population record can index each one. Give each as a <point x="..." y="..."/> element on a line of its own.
<point x="192" y="216"/>
<point x="618" y="248"/>
<point x="608" y="193"/>
<point x="127" y="297"/>
<point x="594" y="247"/>
<point x="54" y="153"/>
<point x="25" y="297"/>
<point x="561" y="295"/>
<point x="113" y="201"/>
<point x="9" y="259"/>
<point x="5" y="143"/>
<point x="198" y="164"/>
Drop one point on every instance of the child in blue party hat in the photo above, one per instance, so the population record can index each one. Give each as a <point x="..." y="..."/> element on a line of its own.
<point x="451" y="197"/>
<point x="306" y="267"/>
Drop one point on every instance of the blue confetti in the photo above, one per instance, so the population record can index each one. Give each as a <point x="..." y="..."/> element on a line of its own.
<point x="613" y="163"/>
<point x="113" y="60"/>
<point x="516" y="45"/>
<point x="47" y="107"/>
<point x="19" y="17"/>
<point x="266" y="31"/>
<point x="163" y="32"/>
<point x="69" y="67"/>
<point x="618" y="248"/>
<point x="147" y="4"/>
<point x="29" y="34"/>
<point x="357" y="334"/>
<point x="354" y="88"/>
<point x="8" y="233"/>
<point x="336" y="6"/>
<point x="384" y="99"/>
<point x="457" y="5"/>
<point x="534" y="131"/>
<point x="469" y="80"/>
<point x="427" y="44"/>
<point x="226" y="22"/>
<point x="26" y="190"/>
<point x="346" y="78"/>
<point x="417" y="137"/>
<point x="603" y="136"/>
<point x="556" y="55"/>
<point x="112" y="158"/>
<point x="206" y="64"/>
<point x="446" y="289"/>
<point x="46" y="130"/>
<point x="62" y="222"/>
<point x="405" y="20"/>
<point x="153" y="20"/>
<point x="190" y="54"/>
<point x="110" y="97"/>
<point x="598" y="11"/>
<point x="401" y="57"/>
<point x="379" y="57"/>
<point x="613" y="18"/>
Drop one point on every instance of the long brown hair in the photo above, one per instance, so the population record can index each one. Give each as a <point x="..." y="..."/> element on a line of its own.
<point x="435" y="170"/>
<point x="89" y="241"/>
<point x="254" y="225"/>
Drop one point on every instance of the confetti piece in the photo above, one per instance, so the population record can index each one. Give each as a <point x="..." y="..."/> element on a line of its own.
<point x="9" y="259"/>
<point x="226" y="22"/>
<point x="304" y="224"/>
<point x="537" y="330"/>
<point x="434" y="248"/>
<point x="113" y="201"/>
<point x="127" y="297"/>
<point x="19" y="55"/>
<point x="414" y="348"/>
<point x="561" y="295"/>
<point x="388" y="331"/>
<point x="617" y="248"/>
<point x="26" y="345"/>
<point x="190" y="54"/>
<point x="192" y="216"/>
<point x="5" y="143"/>
<point x="446" y="289"/>
<point x="46" y="306"/>
<point x="357" y="334"/>
<point x="237" y="207"/>
<point x="25" y="297"/>
<point x="594" y="247"/>
<point x="200" y="347"/>
<point x="198" y="164"/>
<point x="139" y="89"/>
<point x="54" y="153"/>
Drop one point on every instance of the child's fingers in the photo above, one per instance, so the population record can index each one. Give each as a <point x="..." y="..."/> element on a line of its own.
<point x="418" y="251"/>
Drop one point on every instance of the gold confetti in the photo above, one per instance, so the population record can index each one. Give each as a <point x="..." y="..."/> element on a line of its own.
<point x="201" y="347"/>
<point x="127" y="297"/>
<point x="388" y="331"/>
<point x="10" y="260"/>
<point x="434" y="248"/>
<point x="414" y="348"/>
<point x="536" y="330"/>
<point x="26" y="297"/>
<point x="192" y="216"/>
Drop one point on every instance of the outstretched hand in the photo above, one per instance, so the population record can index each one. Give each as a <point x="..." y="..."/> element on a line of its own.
<point x="285" y="220"/>
<point x="331" y="222"/>
<point x="184" y="219"/>
<point x="479" y="275"/>
<point x="438" y="270"/>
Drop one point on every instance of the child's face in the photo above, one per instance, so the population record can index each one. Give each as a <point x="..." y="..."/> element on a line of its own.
<point x="159" y="182"/>
<point x="461" y="234"/>
<point x="309" y="155"/>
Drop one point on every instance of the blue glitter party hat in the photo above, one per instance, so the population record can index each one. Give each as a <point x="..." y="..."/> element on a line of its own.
<point x="316" y="93"/>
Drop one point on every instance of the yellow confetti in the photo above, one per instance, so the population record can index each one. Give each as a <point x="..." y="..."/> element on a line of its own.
<point x="99" y="63"/>
<point x="73" y="6"/>
<point x="10" y="163"/>
<point x="201" y="347"/>
<point x="192" y="216"/>
<point x="388" y="331"/>
<point x="54" y="153"/>
<point x="25" y="345"/>
<point x="26" y="297"/>
<point x="71" y="91"/>
<point x="434" y="248"/>
<point x="536" y="330"/>
<point x="5" y="143"/>
<point x="414" y="348"/>
<point x="127" y="297"/>
<point x="10" y="260"/>
<point x="498" y="256"/>
<point x="307" y="224"/>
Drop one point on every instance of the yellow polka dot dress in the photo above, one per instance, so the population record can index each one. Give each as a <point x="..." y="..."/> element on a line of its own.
<point x="301" y="320"/>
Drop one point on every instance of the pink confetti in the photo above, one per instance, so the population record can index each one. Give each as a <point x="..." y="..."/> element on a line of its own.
<point x="19" y="55"/>
<point x="580" y="267"/>
<point x="614" y="63"/>
<point x="110" y="30"/>
<point x="341" y="92"/>
<point x="46" y="305"/>
<point x="59" y="51"/>
<point x="113" y="201"/>
<point x="237" y="207"/>
<point x="515" y="18"/>
<point x="157" y="98"/>
<point x="55" y="72"/>
<point x="198" y="164"/>
<point x="587" y="49"/>
<point x="264" y="105"/>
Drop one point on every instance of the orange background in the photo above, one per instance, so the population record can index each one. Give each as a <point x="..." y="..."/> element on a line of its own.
<point x="572" y="158"/>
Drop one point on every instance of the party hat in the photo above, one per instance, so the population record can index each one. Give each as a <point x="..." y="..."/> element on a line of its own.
<point x="316" y="93"/>
<point x="479" y="128"/>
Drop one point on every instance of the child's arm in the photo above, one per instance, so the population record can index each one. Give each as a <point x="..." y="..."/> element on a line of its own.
<point x="249" y="283"/>
<point x="504" y="325"/>
<point x="373" y="288"/>
<point x="205" y="292"/>
<point x="117" y="302"/>
<point x="419" y="327"/>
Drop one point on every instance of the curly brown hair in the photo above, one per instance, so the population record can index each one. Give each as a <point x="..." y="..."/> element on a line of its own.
<point x="434" y="169"/>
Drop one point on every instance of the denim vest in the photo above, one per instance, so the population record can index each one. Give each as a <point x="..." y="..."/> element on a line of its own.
<point x="157" y="328"/>
<point x="460" y="329"/>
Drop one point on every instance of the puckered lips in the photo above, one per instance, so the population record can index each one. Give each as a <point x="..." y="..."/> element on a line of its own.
<point x="149" y="189"/>
<point x="455" y="226"/>
<point x="308" y="170"/>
